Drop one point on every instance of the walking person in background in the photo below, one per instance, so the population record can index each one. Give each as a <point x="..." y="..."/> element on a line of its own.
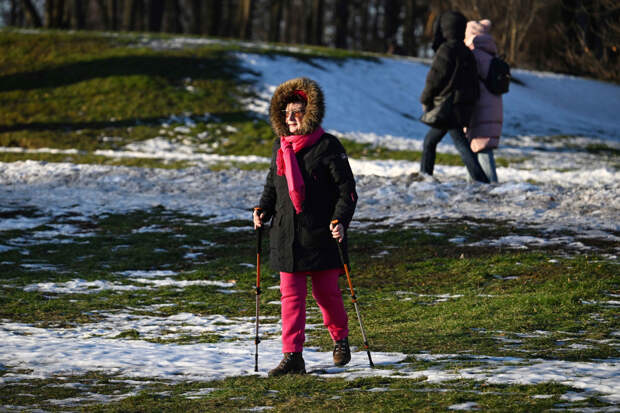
<point x="485" y="126"/>
<point x="309" y="185"/>
<point x="453" y="70"/>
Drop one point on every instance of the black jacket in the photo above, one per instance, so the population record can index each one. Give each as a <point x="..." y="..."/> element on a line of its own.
<point x="303" y="242"/>
<point x="452" y="54"/>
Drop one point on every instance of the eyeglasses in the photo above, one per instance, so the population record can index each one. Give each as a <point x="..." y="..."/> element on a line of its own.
<point x="288" y="113"/>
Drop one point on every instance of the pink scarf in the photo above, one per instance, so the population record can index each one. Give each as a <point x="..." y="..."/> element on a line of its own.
<point x="288" y="166"/>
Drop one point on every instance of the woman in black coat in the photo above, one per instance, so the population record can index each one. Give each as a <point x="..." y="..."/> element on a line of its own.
<point x="309" y="185"/>
<point x="453" y="70"/>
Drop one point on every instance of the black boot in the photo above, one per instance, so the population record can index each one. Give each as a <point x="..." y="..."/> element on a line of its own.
<point x="342" y="352"/>
<point x="292" y="363"/>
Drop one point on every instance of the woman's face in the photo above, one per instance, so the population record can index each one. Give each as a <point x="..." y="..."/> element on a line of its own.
<point x="294" y="114"/>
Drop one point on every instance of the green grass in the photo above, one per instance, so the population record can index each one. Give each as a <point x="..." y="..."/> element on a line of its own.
<point x="397" y="294"/>
<point x="294" y="394"/>
<point x="81" y="90"/>
<point x="543" y="296"/>
<point x="100" y="86"/>
<point x="94" y="160"/>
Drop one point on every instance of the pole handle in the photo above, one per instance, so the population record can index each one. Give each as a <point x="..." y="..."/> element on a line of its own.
<point x="336" y="222"/>
<point x="259" y="237"/>
<point x="346" y="267"/>
<point x="259" y="243"/>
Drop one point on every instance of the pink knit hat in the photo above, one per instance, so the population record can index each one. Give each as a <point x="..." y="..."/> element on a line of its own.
<point x="476" y="27"/>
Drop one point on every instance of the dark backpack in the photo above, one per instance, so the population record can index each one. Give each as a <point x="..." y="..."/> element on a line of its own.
<point x="498" y="77"/>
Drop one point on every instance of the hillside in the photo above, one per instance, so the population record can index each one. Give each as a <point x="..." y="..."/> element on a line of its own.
<point x="128" y="167"/>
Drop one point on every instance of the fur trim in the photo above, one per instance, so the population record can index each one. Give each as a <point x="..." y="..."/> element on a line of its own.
<point x="315" y="108"/>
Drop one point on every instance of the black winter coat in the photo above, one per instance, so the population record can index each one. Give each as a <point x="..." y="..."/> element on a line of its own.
<point x="303" y="242"/>
<point x="453" y="53"/>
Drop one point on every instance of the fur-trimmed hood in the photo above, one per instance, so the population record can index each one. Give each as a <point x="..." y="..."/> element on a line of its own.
<point x="315" y="108"/>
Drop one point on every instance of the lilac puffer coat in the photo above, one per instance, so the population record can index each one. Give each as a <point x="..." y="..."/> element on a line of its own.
<point x="487" y="119"/>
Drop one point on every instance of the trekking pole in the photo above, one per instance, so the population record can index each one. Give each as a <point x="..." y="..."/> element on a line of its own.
<point x="259" y="233"/>
<point x="354" y="299"/>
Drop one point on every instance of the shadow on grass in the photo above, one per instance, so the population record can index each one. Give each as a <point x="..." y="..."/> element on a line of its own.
<point x="170" y="67"/>
<point x="227" y="117"/>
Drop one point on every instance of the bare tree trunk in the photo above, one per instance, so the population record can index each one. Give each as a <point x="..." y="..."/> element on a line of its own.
<point x="196" y="17"/>
<point x="113" y="14"/>
<point x="32" y="13"/>
<point x="214" y="17"/>
<point x="364" y="24"/>
<point x="374" y="43"/>
<point x="409" y="26"/>
<point x="289" y="21"/>
<point x="61" y="14"/>
<point x="48" y="11"/>
<point x="512" y="40"/>
<point x="229" y="23"/>
<point x="172" y="13"/>
<point x="13" y="13"/>
<point x="391" y="22"/>
<point x="67" y="15"/>
<point x="105" y="17"/>
<point x="78" y="20"/>
<point x="316" y="22"/>
<point x="128" y="15"/>
<point x="526" y="24"/>
<point x="275" y="16"/>
<point x="307" y="21"/>
<point x="156" y="14"/>
<point x="141" y="16"/>
<point x="245" y="19"/>
<point x="133" y="15"/>
<point x="54" y="12"/>
<point x="342" y="21"/>
<point x="295" y="22"/>
<point x="354" y="23"/>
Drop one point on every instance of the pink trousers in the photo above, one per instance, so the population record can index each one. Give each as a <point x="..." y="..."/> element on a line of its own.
<point x="327" y="294"/>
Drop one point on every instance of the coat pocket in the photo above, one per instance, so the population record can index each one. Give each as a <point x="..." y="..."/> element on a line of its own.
<point x="275" y="231"/>
<point x="313" y="234"/>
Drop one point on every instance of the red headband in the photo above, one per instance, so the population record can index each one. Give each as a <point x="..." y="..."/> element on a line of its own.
<point x="302" y="94"/>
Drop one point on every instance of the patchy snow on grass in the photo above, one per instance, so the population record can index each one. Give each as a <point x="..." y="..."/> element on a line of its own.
<point x="147" y="274"/>
<point x="40" y="353"/>
<point x="79" y="286"/>
<point x="552" y="184"/>
<point x="387" y="192"/>
<point x="46" y="352"/>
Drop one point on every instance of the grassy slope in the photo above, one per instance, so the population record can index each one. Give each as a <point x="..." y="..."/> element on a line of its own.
<point x="79" y="89"/>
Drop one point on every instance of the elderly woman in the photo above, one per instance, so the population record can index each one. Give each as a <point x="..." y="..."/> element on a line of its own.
<point x="309" y="185"/>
